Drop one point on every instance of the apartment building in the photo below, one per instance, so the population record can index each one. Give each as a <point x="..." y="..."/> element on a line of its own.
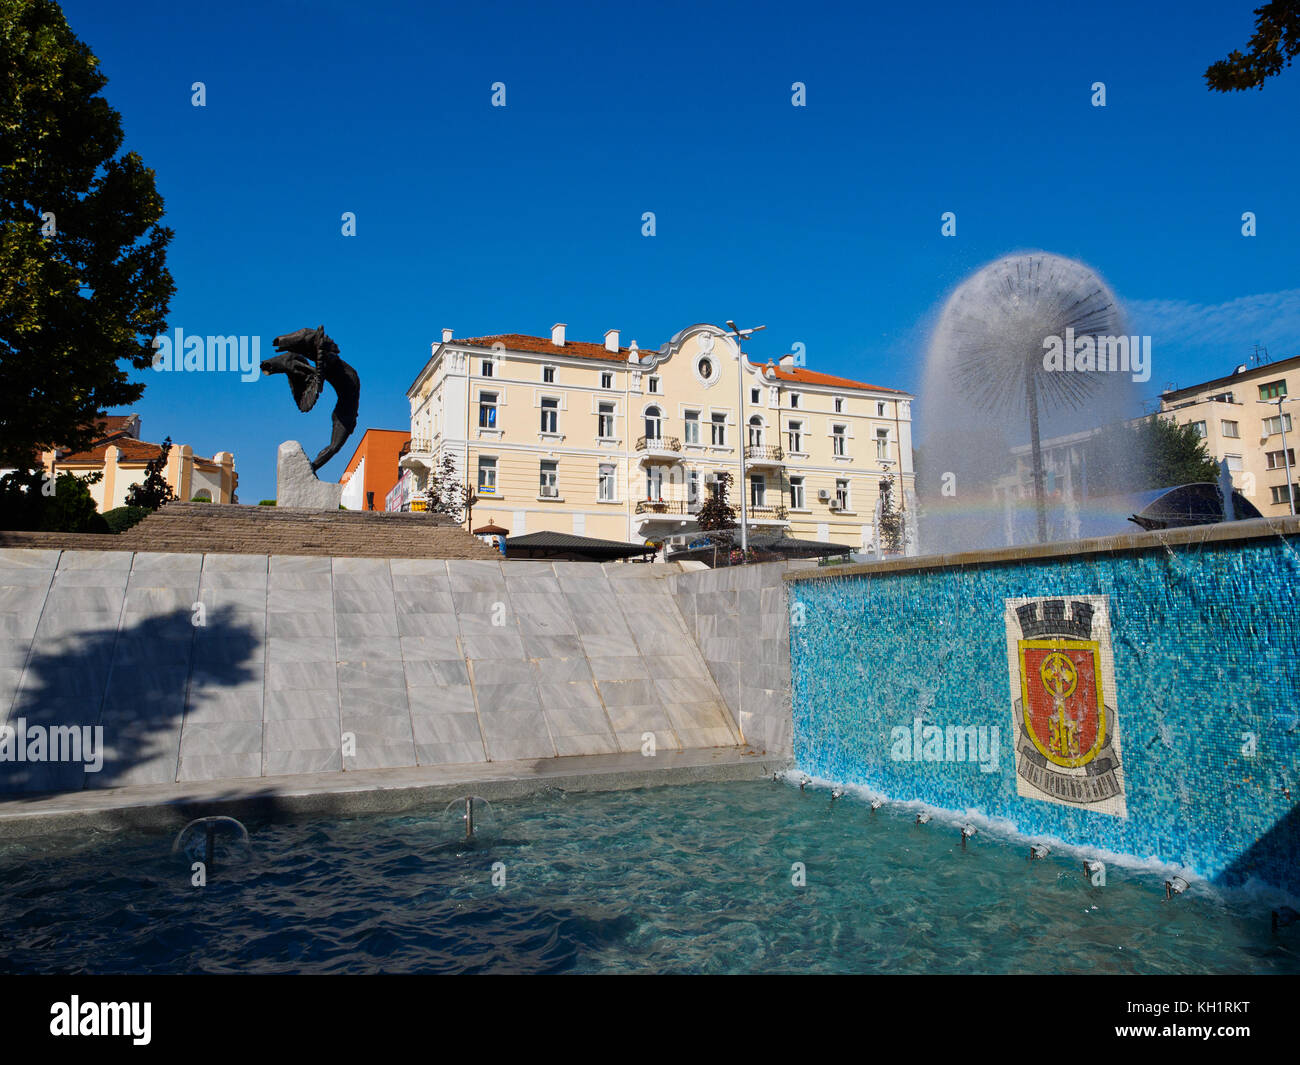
<point x="624" y="443"/>
<point x="1243" y="418"/>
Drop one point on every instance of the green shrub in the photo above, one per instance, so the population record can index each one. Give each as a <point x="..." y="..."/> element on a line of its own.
<point x="71" y="508"/>
<point x="29" y="501"/>
<point x="200" y="499"/>
<point x="120" y="519"/>
<point x="266" y="502"/>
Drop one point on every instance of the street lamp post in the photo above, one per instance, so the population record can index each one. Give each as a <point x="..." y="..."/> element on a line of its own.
<point x="1286" y="461"/>
<point x="740" y="430"/>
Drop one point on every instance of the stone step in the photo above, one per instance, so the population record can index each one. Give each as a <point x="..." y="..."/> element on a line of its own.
<point x="201" y="528"/>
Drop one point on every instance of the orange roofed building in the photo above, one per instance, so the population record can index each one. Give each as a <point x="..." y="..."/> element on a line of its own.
<point x="372" y="470"/>
<point x="616" y="442"/>
<point x="121" y="456"/>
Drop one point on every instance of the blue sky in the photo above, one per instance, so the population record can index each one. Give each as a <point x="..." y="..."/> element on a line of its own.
<point x="822" y="222"/>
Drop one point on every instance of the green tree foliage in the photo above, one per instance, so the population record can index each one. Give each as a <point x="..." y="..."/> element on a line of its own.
<point x="1154" y="454"/>
<point x="446" y="493"/>
<point x="154" y="490"/>
<point x="83" y="281"/>
<point x="891" y="521"/>
<point x="716" y="513"/>
<point x="30" y="501"/>
<point x="1274" y="45"/>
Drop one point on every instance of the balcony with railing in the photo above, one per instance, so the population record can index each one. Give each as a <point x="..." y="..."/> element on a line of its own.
<point x="667" y="507"/>
<point x="658" y="449"/>
<point x="417" y="452"/>
<point x="764" y="455"/>
<point x="765" y="515"/>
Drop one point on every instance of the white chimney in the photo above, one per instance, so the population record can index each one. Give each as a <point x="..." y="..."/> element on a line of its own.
<point x="446" y="336"/>
<point x="611" y="340"/>
<point x="557" y="334"/>
<point x="787" y="362"/>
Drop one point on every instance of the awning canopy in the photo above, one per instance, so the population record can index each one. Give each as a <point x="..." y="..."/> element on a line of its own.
<point x="575" y="548"/>
<point x="772" y="545"/>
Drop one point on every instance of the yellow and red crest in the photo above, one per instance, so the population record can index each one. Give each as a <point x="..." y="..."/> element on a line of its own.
<point x="1063" y="696"/>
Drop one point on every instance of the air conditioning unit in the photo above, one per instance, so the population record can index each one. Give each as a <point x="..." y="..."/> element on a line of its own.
<point x="823" y="494"/>
<point x="836" y="505"/>
<point x="550" y="492"/>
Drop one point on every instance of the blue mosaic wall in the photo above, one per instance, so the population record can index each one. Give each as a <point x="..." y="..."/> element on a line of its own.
<point x="1206" y="642"/>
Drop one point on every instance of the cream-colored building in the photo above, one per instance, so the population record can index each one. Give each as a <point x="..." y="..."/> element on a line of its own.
<point x="1241" y="421"/>
<point x="621" y="443"/>
<point x="122" y="457"/>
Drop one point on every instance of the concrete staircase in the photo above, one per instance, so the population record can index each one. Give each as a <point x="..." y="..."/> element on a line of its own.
<point x="216" y="528"/>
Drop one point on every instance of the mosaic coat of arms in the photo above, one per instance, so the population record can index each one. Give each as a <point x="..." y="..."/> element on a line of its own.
<point x="1064" y="718"/>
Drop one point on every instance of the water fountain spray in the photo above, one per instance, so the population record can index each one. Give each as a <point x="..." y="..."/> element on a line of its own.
<point x="990" y="342"/>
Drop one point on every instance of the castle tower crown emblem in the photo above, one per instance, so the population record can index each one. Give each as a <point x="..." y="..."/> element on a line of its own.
<point x="1053" y="621"/>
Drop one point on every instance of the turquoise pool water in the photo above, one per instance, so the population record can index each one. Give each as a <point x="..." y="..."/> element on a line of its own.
<point x="683" y="879"/>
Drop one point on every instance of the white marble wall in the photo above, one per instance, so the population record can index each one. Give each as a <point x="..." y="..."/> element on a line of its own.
<point x="205" y="667"/>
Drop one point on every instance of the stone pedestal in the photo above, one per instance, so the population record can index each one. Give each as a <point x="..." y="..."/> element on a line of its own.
<point x="297" y="486"/>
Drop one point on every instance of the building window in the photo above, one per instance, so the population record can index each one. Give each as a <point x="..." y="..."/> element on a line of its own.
<point x="753" y="396"/>
<point x="880" y="409"/>
<point x="796" y="437"/>
<point x="842" y="494"/>
<point x="487" y="410"/>
<point x="1199" y="428"/>
<point x="1272" y="390"/>
<point x="654" y="483"/>
<point x="605" y="485"/>
<point x="719" y="429"/>
<point x="839" y="404"/>
<point x="705" y="369"/>
<point x="794" y="400"/>
<point x="1276" y="424"/>
<point x="1230" y="429"/>
<point x="757" y="490"/>
<point x="487" y="368"/>
<point x="549" y="486"/>
<point x="693" y="487"/>
<point x="882" y="444"/>
<point x="548" y="375"/>
<point x="653" y="383"/>
<point x="487" y="477"/>
<point x="550" y="415"/>
<point x="837" y="441"/>
<point x="1276" y="461"/>
<point x="605" y="421"/>
<point x="692" y="427"/>
<point x="607" y="380"/>
<point x="653" y="423"/>
<point x="1282" y="497"/>
<point x="755" y="431"/>
<point x="796" y="493"/>
<point x="713" y="485"/>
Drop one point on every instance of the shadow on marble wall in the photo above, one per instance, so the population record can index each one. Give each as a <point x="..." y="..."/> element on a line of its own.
<point x="116" y="698"/>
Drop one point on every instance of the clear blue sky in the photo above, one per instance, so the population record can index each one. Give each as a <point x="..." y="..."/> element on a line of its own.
<point x="821" y="222"/>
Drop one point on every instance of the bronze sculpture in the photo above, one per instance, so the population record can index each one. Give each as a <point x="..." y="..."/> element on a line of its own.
<point x="310" y="359"/>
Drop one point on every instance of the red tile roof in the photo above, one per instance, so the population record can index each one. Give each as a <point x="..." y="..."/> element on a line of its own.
<point x="115" y="423"/>
<point x="573" y="348"/>
<point x="583" y="350"/>
<point x="132" y="451"/>
<point x="800" y="376"/>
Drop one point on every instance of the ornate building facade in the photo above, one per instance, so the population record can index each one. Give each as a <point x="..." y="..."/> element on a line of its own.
<point x="622" y="443"/>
